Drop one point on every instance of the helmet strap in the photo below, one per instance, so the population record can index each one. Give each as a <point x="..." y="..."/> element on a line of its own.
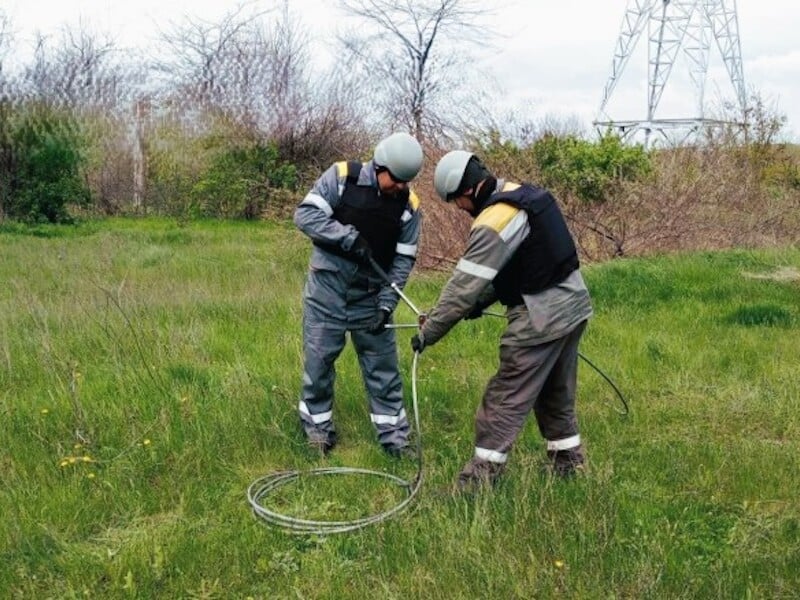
<point x="481" y="194"/>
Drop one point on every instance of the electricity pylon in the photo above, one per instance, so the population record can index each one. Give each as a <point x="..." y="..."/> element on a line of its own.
<point x="674" y="25"/>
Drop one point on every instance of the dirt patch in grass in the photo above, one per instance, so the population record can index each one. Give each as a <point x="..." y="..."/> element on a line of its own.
<point x="782" y="274"/>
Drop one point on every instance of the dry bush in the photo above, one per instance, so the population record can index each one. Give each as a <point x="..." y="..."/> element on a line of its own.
<point x="697" y="199"/>
<point x="720" y="195"/>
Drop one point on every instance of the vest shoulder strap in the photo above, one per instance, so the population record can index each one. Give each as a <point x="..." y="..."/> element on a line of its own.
<point x="349" y="169"/>
<point x="496" y="216"/>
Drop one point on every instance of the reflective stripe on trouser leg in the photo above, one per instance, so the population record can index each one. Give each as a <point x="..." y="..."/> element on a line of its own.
<point x="377" y="356"/>
<point x="555" y="407"/>
<point x="322" y="344"/>
<point x="511" y="393"/>
<point x="569" y="443"/>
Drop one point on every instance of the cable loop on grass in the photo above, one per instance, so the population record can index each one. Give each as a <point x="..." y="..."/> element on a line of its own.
<point x="261" y="488"/>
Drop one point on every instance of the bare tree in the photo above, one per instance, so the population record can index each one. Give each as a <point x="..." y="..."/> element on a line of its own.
<point x="5" y="41"/>
<point x="412" y="73"/>
<point x="254" y="70"/>
<point x="76" y="71"/>
<point x="229" y="65"/>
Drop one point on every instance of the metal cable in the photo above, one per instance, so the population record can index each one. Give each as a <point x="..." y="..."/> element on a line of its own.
<point x="625" y="410"/>
<point x="261" y="488"/>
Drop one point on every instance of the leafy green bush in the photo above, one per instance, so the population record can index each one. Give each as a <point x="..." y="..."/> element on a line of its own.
<point x="240" y="180"/>
<point x="589" y="170"/>
<point x="568" y="164"/>
<point x="42" y="164"/>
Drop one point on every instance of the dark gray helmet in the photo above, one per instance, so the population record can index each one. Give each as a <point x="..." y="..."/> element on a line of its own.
<point x="449" y="173"/>
<point x="400" y="154"/>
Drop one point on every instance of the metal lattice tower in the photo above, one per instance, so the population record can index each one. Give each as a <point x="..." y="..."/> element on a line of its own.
<point x="674" y="25"/>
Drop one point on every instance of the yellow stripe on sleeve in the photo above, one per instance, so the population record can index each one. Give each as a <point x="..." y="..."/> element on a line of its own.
<point x="341" y="169"/>
<point x="496" y="217"/>
<point x="413" y="200"/>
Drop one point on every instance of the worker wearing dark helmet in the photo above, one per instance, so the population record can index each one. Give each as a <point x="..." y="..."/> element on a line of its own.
<point x="521" y="253"/>
<point x="356" y="213"/>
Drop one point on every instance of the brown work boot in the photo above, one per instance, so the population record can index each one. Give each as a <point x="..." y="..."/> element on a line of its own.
<point x="321" y="442"/>
<point x="400" y="452"/>
<point x="566" y="463"/>
<point x="478" y="474"/>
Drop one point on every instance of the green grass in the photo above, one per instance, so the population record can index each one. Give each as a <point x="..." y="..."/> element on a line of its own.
<point x="170" y="356"/>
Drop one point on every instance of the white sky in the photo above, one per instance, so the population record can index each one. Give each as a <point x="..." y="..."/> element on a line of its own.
<point x="553" y="61"/>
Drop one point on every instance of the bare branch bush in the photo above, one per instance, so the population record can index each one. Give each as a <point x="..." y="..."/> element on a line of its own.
<point x="250" y="73"/>
<point x="699" y="198"/>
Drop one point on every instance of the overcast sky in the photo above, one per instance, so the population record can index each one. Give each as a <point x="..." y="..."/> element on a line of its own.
<point x="553" y="60"/>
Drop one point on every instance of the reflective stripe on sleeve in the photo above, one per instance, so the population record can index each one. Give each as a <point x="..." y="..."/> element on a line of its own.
<point x="406" y="249"/>
<point x="319" y="202"/>
<point x="388" y="419"/>
<point x="471" y="268"/>
<point x="406" y="216"/>
<point x="514" y="226"/>
<point x="491" y="455"/>
<point x="565" y="444"/>
<point x="317" y="419"/>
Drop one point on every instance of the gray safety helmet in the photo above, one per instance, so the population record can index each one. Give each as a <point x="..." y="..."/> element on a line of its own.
<point x="450" y="172"/>
<point x="400" y="154"/>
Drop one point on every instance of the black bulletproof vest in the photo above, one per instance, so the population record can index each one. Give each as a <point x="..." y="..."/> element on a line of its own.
<point x="546" y="256"/>
<point x="378" y="218"/>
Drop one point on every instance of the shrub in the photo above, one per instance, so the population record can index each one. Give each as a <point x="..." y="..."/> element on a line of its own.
<point x="569" y="165"/>
<point x="239" y="181"/>
<point x="42" y="165"/>
<point x="588" y="170"/>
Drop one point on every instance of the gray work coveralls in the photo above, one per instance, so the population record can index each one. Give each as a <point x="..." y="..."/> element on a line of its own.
<point x="343" y="296"/>
<point x="539" y="348"/>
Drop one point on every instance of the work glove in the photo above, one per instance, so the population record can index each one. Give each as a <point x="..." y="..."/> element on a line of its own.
<point x="475" y="313"/>
<point x="378" y="324"/>
<point x="361" y="250"/>
<point x="418" y="342"/>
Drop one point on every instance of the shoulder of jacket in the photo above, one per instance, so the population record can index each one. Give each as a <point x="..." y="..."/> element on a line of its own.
<point x="496" y="217"/>
<point x="413" y="200"/>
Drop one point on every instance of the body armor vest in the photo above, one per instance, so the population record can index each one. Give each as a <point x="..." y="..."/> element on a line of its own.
<point x="546" y="256"/>
<point x="376" y="217"/>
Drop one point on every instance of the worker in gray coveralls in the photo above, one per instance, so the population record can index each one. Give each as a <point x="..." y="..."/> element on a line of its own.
<point x="521" y="253"/>
<point x="354" y="213"/>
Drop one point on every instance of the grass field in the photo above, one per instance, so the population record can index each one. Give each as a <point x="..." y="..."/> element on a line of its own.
<point x="149" y="372"/>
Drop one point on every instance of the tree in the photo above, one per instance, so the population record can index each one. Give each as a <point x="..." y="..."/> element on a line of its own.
<point x="76" y="71"/>
<point x="227" y="66"/>
<point x="413" y="74"/>
<point x="5" y="42"/>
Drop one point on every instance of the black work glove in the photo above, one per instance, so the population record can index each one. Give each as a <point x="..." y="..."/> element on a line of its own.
<point x="475" y="313"/>
<point x="418" y="342"/>
<point x="361" y="250"/>
<point x="378" y="324"/>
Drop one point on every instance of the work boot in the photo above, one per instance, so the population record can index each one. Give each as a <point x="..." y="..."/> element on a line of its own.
<point x="478" y="474"/>
<point x="321" y="442"/>
<point x="405" y="451"/>
<point x="566" y="463"/>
